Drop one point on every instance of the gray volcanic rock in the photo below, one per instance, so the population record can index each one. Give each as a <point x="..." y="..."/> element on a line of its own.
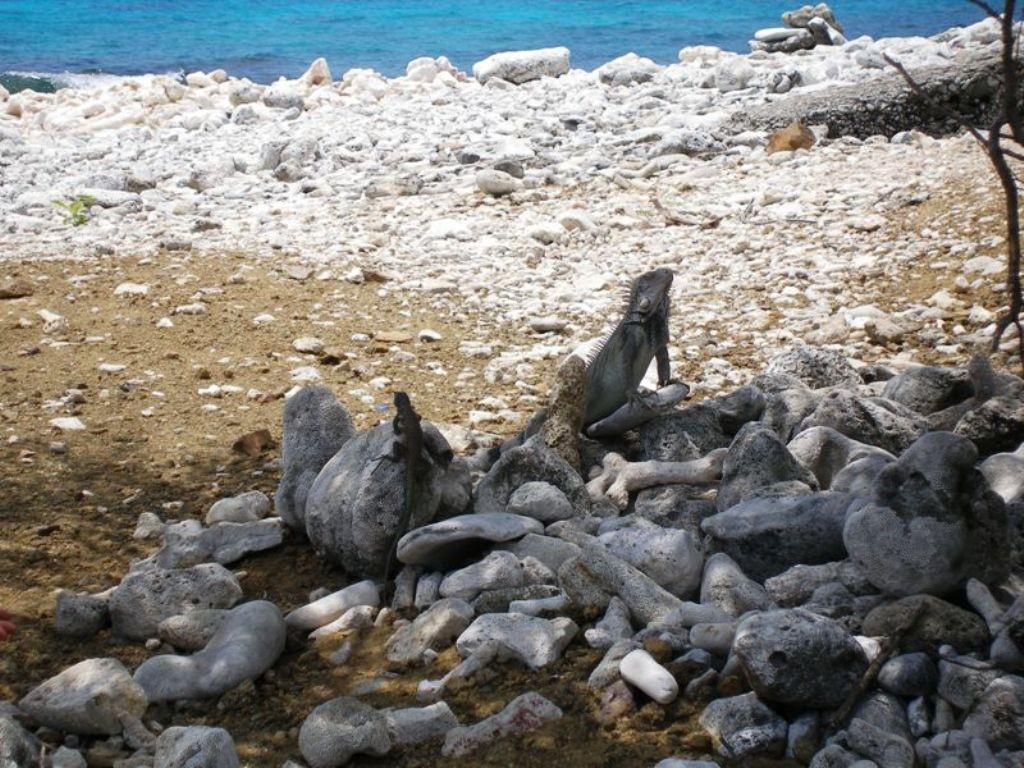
<point x="457" y="539"/>
<point x="937" y="622"/>
<point x="792" y="656"/>
<point x="191" y="631"/>
<point x="998" y="715"/>
<point x="81" y="615"/>
<point x="814" y="366"/>
<point x="932" y="522"/>
<point x="145" y="598"/>
<point x="697" y="430"/>
<point x="995" y="425"/>
<point x="910" y="674"/>
<point x="354" y="505"/>
<point x="1004" y="473"/>
<point x="742" y="727"/>
<point x="316" y="425"/>
<point x="927" y="389"/>
<point x="757" y="461"/>
<point x="247" y="643"/>
<point x="887" y="105"/>
<point x="765" y="536"/>
<point x="90" y="698"/>
<point x="530" y="462"/>
<point x="195" y="746"/>
<point x="876" y="422"/>
<point x="340" y="728"/>
<point x="17" y="746"/>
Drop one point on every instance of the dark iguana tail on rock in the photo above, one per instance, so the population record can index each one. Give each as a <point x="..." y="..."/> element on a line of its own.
<point x="407" y="445"/>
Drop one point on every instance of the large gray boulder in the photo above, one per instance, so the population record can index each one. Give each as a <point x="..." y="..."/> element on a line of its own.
<point x="873" y="421"/>
<point x="995" y="425"/>
<point x="927" y="389"/>
<point x="530" y="462"/>
<point x="247" y="643"/>
<point x="195" y="746"/>
<point x="759" y="464"/>
<point x="765" y="536"/>
<point x="522" y="66"/>
<point x="144" y="598"/>
<point x="932" y="522"/>
<point x="93" y="697"/>
<point x="355" y="504"/>
<point x="792" y="656"/>
<point x="316" y="425"/>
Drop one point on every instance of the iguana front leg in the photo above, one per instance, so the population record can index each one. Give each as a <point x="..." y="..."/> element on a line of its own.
<point x="664" y="368"/>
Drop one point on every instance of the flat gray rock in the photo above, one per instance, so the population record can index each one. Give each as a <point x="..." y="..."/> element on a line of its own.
<point x="533" y="641"/>
<point x="499" y="570"/>
<point x="144" y="598"/>
<point x="815" y="367"/>
<point x="195" y="746"/>
<point x="541" y="501"/>
<point x="455" y="540"/>
<point x="189" y="543"/>
<point x="792" y="656"/>
<point x="90" y="698"/>
<point x="250" y="639"/>
<point x="522" y="66"/>
<point x="340" y="728"/>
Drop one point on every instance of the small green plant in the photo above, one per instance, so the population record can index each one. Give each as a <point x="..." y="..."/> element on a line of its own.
<point x="77" y="210"/>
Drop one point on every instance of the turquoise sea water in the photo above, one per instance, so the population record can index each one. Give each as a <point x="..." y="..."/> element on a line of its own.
<point x="264" y="39"/>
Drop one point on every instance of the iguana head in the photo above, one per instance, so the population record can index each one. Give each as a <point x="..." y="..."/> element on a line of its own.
<point x="647" y="294"/>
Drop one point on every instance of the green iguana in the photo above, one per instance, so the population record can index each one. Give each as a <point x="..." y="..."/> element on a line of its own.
<point x="618" y="363"/>
<point x="408" y="445"/>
